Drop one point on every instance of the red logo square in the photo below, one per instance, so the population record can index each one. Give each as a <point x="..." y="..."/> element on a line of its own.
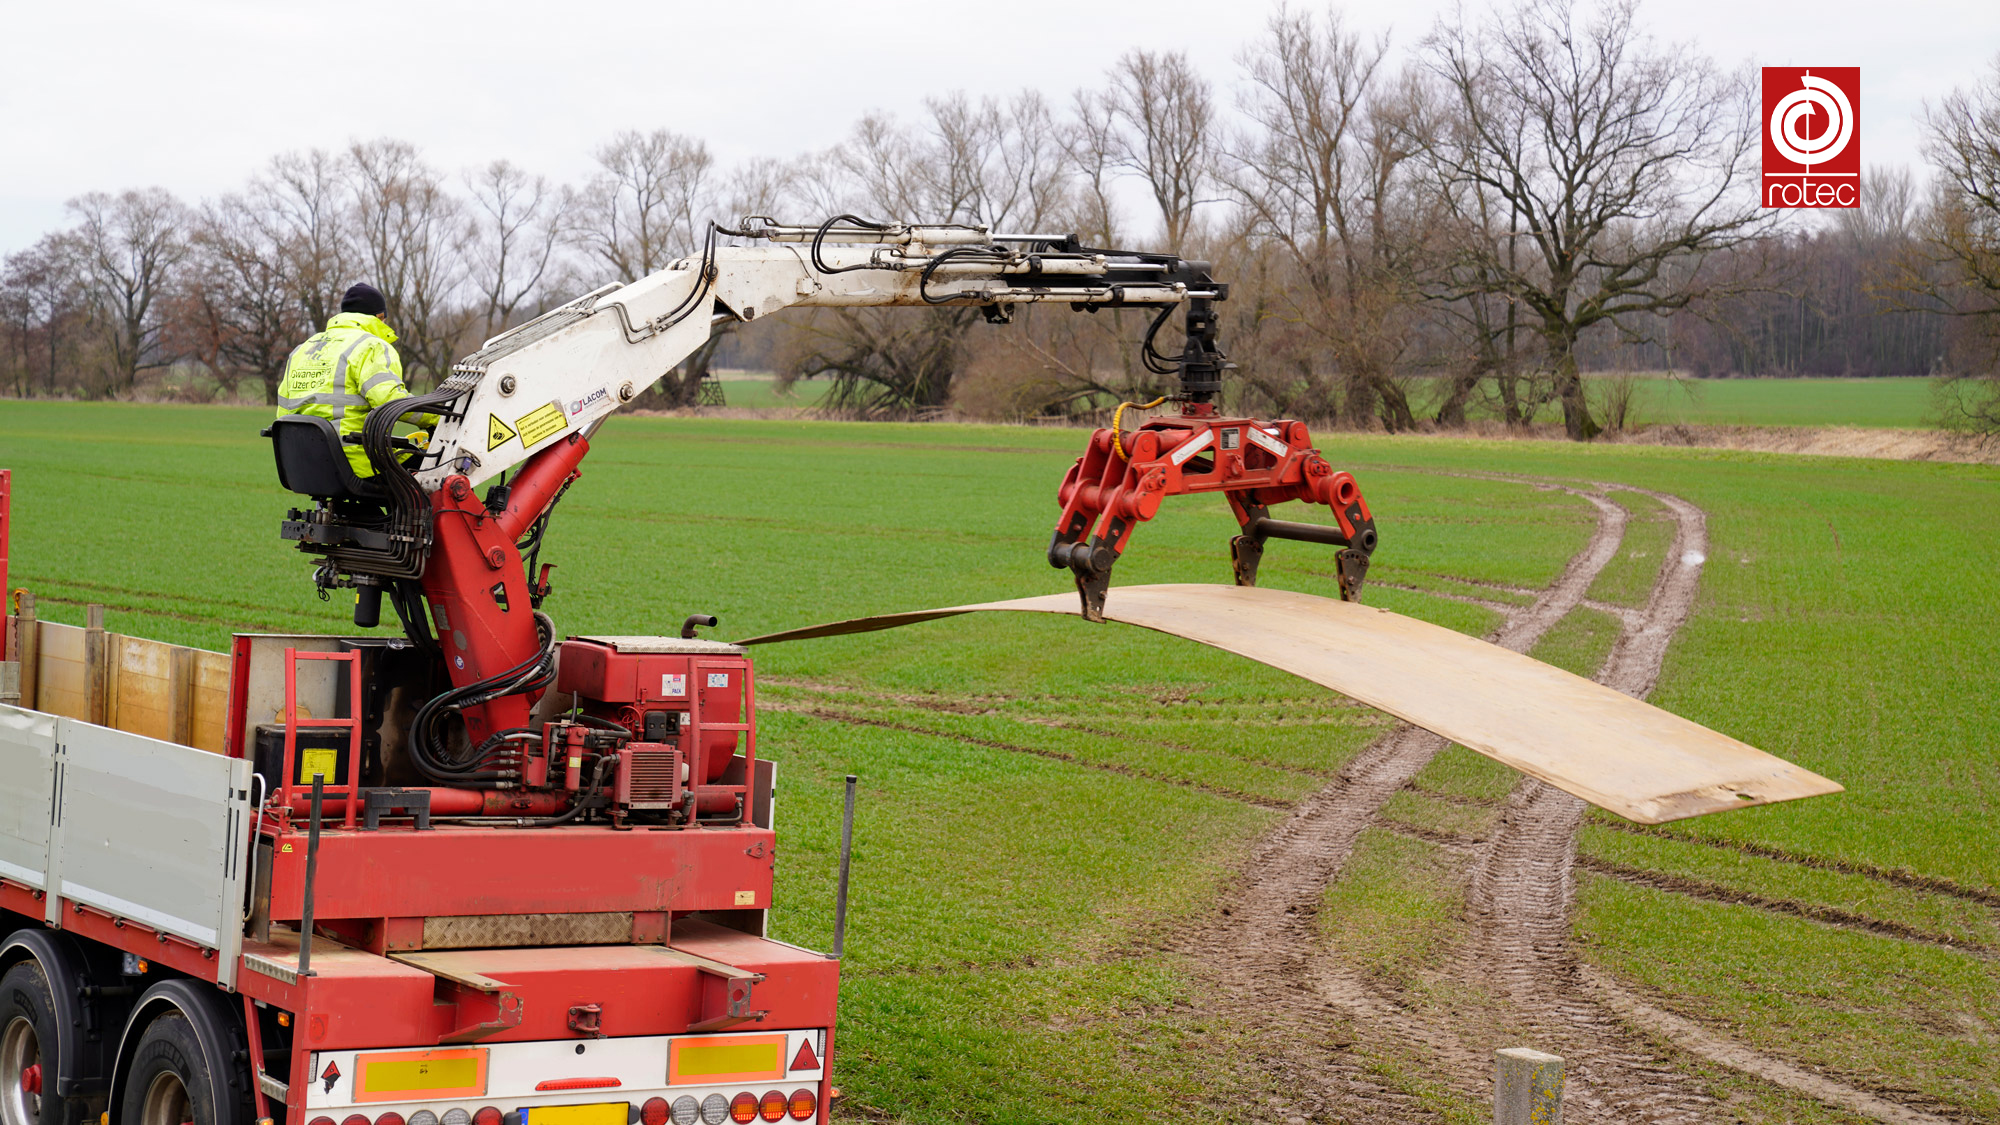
<point x="1812" y="136"/>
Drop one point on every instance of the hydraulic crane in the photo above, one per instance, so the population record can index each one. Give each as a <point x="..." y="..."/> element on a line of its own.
<point x="449" y="557"/>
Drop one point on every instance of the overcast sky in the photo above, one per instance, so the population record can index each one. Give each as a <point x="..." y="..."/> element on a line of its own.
<point x="196" y="95"/>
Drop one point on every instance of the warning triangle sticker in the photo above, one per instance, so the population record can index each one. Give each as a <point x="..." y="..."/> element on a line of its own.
<point x="496" y="432"/>
<point x="805" y="1059"/>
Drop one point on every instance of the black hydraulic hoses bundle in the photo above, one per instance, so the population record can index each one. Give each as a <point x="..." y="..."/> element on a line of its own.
<point x="491" y="760"/>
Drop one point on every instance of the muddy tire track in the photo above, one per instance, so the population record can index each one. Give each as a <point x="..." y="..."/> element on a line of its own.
<point x="1522" y="887"/>
<point x="1261" y="951"/>
<point x="1522" y="891"/>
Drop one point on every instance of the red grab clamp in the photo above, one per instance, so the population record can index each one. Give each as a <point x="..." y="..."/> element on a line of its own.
<point x="1121" y="478"/>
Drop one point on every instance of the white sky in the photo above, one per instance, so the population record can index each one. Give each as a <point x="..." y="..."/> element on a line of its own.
<point x="196" y="95"/>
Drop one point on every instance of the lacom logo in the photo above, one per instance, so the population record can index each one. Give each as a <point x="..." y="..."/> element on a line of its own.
<point x="1812" y="136"/>
<point x="579" y="405"/>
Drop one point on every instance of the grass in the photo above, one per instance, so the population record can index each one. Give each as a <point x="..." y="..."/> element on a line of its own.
<point x="1041" y="799"/>
<point x="1649" y="530"/>
<point x="1888" y="403"/>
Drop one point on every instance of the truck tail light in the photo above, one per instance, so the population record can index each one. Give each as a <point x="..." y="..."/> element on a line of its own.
<point x="714" y="1109"/>
<point x="322" y="1121"/>
<point x="743" y="1108"/>
<point x="486" y="1115"/>
<point x="390" y="1118"/>
<point x="354" y="1119"/>
<point x="772" y="1105"/>
<point x="654" y="1112"/>
<point x="803" y="1104"/>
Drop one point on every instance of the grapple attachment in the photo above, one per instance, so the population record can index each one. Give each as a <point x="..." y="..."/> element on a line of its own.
<point x="1121" y="478"/>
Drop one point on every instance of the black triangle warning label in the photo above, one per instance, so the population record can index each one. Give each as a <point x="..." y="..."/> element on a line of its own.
<point x="496" y="432"/>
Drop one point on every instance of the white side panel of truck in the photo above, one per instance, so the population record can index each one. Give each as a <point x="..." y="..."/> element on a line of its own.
<point x="27" y="749"/>
<point x="142" y="829"/>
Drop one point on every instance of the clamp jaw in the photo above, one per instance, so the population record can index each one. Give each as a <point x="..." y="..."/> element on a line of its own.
<point x="1121" y="478"/>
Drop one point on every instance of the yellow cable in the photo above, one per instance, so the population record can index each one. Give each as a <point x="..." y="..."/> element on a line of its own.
<point x="1117" y="437"/>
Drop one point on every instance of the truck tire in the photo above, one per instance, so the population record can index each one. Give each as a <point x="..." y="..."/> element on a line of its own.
<point x="170" y="1082"/>
<point x="28" y="1051"/>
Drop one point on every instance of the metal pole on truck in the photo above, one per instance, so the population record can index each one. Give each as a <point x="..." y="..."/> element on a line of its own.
<point x="312" y="870"/>
<point x="846" y="859"/>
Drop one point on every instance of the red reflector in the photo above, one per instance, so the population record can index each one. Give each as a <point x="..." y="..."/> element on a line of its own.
<point x="803" y="1104"/>
<point x="654" y="1112"/>
<point x="805" y="1059"/>
<point x="390" y="1118"/>
<point x="773" y="1105"/>
<point x="743" y="1108"/>
<point x="577" y="1083"/>
<point x="486" y="1115"/>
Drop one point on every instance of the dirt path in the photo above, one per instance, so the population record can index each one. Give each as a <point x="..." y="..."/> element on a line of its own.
<point x="1261" y="950"/>
<point x="1522" y="887"/>
<point x="1265" y="952"/>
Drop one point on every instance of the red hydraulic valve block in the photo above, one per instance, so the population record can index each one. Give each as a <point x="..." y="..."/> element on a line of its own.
<point x="1121" y="479"/>
<point x="689" y="705"/>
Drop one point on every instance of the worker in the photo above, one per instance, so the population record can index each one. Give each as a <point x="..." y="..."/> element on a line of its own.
<point x="346" y="371"/>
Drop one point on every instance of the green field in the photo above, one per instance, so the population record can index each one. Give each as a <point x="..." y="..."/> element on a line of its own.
<point x="1869" y="403"/>
<point x="757" y="391"/>
<point x="1043" y="799"/>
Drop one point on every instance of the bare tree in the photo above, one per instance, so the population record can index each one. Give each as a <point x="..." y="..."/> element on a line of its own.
<point x="1320" y="178"/>
<point x="44" y="303"/>
<point x="238" y="309"/>
<point x="128" y="246"/>
<point x="519" y="219"/>
<point x="1962" y="236"/>
<point x="1168" y="136"/>
<point x="303" y="200"/>
<point x="1623" y="165"/>
<point x="645" y="207"/>
<point x="412" y="240"/>
<point x="989" y="162"/>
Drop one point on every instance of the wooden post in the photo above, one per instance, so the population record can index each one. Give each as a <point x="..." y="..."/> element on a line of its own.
<point x="97" y="681"/>
<point x="180" y="695"/>
<point x="28" y="650"/>
<point x="1527" y="1087"/>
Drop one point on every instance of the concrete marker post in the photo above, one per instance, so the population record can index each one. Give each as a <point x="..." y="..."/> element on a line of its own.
<point x="1527" y="1087"/>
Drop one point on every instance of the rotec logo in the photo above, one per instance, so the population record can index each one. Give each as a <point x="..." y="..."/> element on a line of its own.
<point x="1812" y="136"/>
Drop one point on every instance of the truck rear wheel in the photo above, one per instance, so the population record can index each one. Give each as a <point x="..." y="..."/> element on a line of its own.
<point x="170" y="1082"/>
<point x="28" y="1033"/>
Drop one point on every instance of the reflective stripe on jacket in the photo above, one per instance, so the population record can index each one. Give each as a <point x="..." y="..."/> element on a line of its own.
<point x="343" y="373"/>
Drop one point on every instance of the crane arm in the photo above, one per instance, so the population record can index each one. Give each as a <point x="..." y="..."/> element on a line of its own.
<point x="560" y="374"/>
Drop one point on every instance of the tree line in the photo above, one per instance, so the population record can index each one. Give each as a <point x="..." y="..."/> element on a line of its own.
<point x="1412" y="238"/>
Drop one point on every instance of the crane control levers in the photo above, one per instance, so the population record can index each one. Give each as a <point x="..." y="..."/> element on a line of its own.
<point x="526" y="403"/>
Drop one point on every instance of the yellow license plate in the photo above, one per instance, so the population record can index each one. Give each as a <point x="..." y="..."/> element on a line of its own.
<point x="609" y="1113"/>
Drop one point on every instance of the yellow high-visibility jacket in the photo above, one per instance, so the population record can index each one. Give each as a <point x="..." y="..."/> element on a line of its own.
<point x="343" y="373"/>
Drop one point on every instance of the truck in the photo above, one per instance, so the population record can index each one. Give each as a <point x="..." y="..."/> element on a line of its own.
<point x="477" y="871"/>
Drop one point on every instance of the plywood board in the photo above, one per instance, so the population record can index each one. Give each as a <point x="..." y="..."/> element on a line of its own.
<point x="142" y="697"/>
<point x="62" y="676"/>
<point x="211" y="700"/>
<point x="1619" y="753"/>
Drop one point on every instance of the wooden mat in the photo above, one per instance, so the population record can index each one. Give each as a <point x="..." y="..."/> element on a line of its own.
<point x="1618" y="753"/>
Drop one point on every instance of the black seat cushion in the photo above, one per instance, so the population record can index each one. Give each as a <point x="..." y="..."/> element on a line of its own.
<point x="312" y="462"/>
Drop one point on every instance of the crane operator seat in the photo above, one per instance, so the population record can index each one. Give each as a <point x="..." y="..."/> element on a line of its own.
<point x="312" y="463"/>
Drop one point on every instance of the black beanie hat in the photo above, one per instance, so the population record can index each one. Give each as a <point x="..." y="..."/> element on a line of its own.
<point x="363" y="298"/>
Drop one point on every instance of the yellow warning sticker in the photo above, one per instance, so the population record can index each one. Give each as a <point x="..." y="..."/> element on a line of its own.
<point x="321" y="763"/>
<point x="541" y="422"/>
<point x="496" y="432"/>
